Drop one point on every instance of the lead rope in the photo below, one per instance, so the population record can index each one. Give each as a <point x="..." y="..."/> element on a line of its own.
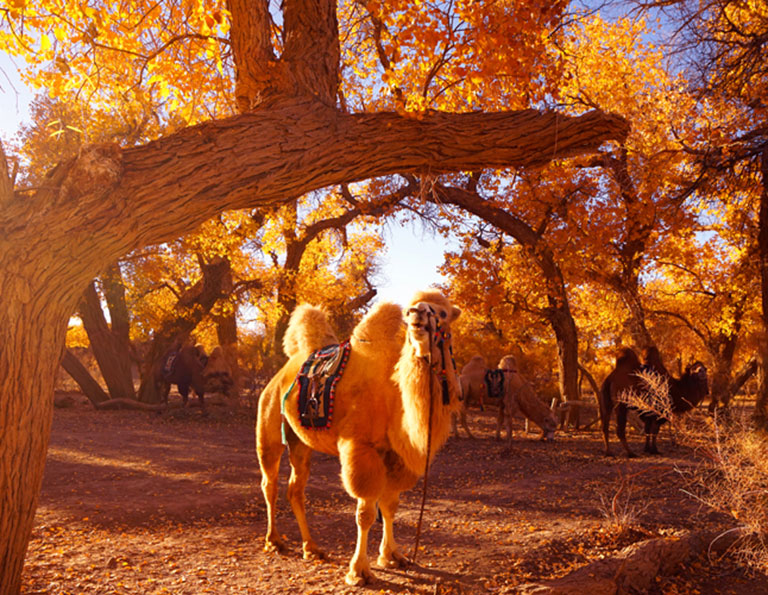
<point x="429" y="448"/>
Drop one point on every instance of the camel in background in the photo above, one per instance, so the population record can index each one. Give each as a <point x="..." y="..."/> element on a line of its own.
<point x="398" y="376"/>
<point x="520" y="395"/>
<point x="515" y="394"/>
<point x="681" y="395"/>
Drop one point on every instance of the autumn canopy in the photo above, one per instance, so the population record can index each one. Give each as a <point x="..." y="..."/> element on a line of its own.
<point x="165" y="115"/>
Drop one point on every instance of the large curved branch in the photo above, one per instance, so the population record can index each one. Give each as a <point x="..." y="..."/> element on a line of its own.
<point x="109" y="201"/>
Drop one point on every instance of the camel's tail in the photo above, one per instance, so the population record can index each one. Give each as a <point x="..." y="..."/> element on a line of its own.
<point x="307" y="331"/>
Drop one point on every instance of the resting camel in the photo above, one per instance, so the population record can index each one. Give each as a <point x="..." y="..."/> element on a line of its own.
<point x="397" y="377"/>
<point x="520" y="395"/>
<point x="684" y="394"/>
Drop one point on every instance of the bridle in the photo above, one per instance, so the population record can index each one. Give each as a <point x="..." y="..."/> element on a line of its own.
<point x="438" y="370"/>
<point x="437" y="337"/>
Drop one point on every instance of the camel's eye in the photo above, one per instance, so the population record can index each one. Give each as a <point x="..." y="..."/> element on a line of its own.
<point x="443" y="314"/>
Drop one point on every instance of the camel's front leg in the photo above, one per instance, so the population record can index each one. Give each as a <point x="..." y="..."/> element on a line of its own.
<point x="269" y="447"/>
<point x="359" y="568"/>
<point x="364" y="475"/>
<point x="269" y="461"/>
<point x="389" y="552"/>
<point x="300" y="455"/>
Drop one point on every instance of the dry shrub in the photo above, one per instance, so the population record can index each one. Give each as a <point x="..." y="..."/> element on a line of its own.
<point x="733" y="479"/>
<point x="620" y="508"/>
<point x="732" y="474"/>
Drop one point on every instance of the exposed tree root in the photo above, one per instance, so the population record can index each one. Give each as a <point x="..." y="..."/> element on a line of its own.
<point x="129" y="404"/>
<point x="632" y="570"/>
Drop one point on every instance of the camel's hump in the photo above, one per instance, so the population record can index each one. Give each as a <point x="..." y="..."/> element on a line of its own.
<point x="308" y="330"/>
<point x="382" y="324"/>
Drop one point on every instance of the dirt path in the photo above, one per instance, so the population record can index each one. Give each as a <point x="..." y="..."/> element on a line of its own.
<point x="136" y="502"/>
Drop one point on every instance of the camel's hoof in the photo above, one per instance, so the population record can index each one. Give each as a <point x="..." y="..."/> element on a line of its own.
<point x="312" y="552"/>
<point x="274" y="546"/>
<point x="392" y="560"/>
<point x="358" y="579"/>
<point x="631" y="455"/>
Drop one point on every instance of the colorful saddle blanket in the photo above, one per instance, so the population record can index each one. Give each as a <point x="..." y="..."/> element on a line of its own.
<point x="494" y="381"/>
<point x="169" y="364"/>
<point x="317" y="384"/>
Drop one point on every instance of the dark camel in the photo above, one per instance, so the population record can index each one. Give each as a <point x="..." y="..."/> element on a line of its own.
<point x="685" y="393"/>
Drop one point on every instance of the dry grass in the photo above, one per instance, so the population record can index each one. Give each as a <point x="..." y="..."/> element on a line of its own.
<point x="732" y="476"/>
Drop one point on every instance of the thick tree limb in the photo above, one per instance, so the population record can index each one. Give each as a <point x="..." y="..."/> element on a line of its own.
<point x="159" y="191"/>
<point x="82" y="376"/>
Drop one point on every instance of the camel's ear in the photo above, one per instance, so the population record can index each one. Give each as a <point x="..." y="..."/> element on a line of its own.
<point x="455" y="313"/>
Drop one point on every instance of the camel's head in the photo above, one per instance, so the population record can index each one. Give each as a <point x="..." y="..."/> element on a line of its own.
<point x="698" y="371"/>
<point x="548" y="428"/>
<point x="428" y="321"/>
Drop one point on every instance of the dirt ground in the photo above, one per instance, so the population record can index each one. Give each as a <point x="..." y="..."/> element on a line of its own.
<point x="138" y="502"/>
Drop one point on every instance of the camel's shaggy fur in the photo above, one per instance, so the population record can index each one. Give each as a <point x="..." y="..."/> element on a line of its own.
<point x="380" y="416"/>
<point x="520" y="395"/>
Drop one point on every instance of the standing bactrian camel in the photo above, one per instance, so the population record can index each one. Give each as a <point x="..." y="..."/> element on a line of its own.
<point x="395" y="374"/>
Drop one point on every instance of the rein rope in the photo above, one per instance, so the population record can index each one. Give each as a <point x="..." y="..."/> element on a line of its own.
<point x="429" y="444"/>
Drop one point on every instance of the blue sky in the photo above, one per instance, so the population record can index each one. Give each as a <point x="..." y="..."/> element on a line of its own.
<point x="413" y="254"/>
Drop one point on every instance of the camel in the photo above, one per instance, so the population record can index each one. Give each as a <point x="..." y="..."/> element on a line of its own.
<point x="472" y="381"/>
<point x="182" y="365"/>
<point x="520" y="395"/>
<point x="684" y="394"/>
<point x="399" y="374"/>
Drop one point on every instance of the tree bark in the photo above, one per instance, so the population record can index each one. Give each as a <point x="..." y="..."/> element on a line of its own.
<point x="761" y="405"/>
<point x="33" y="324"/>
<point x="109" y="201"/>
<point x="80" y="374"/>
<point x="114" y="293"/>
<point x="110" y="350"/>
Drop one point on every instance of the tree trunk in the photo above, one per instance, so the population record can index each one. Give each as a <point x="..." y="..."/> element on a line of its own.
<point x="33" y="324"/>
<point x="567" y="354"/>
<point x="192" y="307"/>
<point x="110" y="350"/>
<point x="109" y="201"/>
<point x="80" y="374"/>
<point x="761" y="405"/>
<point x="114" y="293"/>
<point x="749" y="370"/>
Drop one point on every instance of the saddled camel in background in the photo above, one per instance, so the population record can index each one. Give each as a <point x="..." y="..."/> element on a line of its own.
<point x="397" y="377"/>
<point x="520" y="395"/>
<point x="517" y="394"/>
<point x="684" y="394"/>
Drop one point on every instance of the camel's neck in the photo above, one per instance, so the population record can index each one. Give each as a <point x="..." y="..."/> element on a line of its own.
<point x="412" y="434"/>
<point x="686" y="393"/>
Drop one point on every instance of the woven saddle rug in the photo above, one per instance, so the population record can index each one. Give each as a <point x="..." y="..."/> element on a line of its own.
<point x="494" y="381"/>
<point x="317" y="381"/>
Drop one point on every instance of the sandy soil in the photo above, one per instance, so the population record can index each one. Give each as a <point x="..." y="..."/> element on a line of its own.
<point x="136" y="502"/>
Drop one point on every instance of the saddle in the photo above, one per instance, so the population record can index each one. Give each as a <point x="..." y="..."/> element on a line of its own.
<point x="317" y="381"/>
<point x="494" y="382"/>
<point x="169" y="363"/>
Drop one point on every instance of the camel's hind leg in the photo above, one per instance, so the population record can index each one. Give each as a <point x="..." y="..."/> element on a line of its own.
<point x="300" y="455"/>
<point x="389" y="552"/>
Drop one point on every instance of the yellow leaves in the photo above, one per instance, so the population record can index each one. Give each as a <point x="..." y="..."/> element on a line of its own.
<point x="45" y="43"/>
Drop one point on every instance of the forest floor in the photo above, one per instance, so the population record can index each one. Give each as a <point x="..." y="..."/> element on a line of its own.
<point x="137" y="502"/>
